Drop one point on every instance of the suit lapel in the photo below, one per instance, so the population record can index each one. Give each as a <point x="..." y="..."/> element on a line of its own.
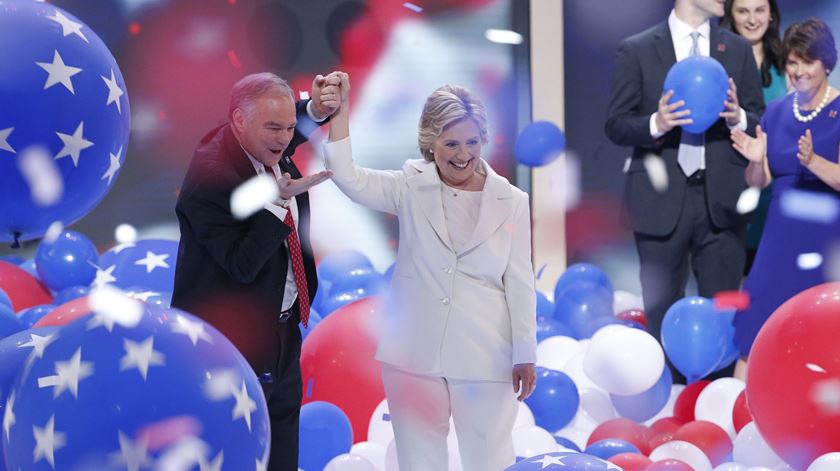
<point x="426" y="185"/>
<point x="496" y="207"/>
<point x="664" y="46"/>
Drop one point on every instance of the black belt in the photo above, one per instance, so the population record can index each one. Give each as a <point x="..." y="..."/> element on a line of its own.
<point x="697" y="178"/>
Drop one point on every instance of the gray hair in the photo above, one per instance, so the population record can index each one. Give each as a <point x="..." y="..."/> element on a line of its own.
<point x="446" y="106"/>
<point x="251" y="87"/>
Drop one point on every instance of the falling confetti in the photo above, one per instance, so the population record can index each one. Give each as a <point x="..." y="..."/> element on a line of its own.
<point x="252" y="195"/>
<point x="809" y="206"/>
<point x="42" y="175"/>
<point x="809" y="261"/>
<point x="748" y="200"/>
<point x="413" y="7"/>
<point x="655" y="168"/>
<point x="503" y="36"/>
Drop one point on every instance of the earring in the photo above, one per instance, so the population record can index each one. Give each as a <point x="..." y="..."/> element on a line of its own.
<point x="431" y="151"/>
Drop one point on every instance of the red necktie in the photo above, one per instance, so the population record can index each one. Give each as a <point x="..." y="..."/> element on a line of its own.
<point x="298" y="271"/>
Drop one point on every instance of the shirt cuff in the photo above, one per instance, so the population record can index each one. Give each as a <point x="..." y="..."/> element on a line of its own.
<point x="654" y="132"/>
<point x="279" y="211"/>
<point x="312" y="115"/>
<point x="742" y="124"/>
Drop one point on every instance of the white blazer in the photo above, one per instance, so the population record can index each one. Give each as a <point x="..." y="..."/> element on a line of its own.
<point x="468" y="314"/>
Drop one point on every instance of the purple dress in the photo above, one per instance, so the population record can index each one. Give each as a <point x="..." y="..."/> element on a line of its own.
<point x="803" y="217"/>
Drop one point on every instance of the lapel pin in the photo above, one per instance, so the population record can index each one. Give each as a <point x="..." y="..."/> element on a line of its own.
<point x="721" y="47"/>
<point x="832" y="114"/>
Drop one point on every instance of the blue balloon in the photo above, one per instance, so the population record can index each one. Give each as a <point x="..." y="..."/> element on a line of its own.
<point x="159" y="374"/>
<point x="335" y="301"/>
<point x="29" y="267"/>
<point x="28" y="317"/>
<point x="548" y="327"/>
<point x="732" y="352"/>
<point x="702" y="82"/>
<point x="565" y="442"/>
<point x="580" y="304"/>
<point x="9" y="322"/>
<point x="338" y="264"/>
<point x="693" y="337"/>
<point x="544" y="306"/>
<point x="555" y="401"/>
<point x="389" y="273"/>
<point x="69" y="294"/>
<point x="85" y="133"/>
<point x="5" y="300"/>
<point x="584" y="273"/>
<point x="567" y="461"/>
<point x="70" y="260"/>
<point x="609" y="447"/>
<point x="314" y="319"/>
<point x="539" y="143"/>
<point x="13" y="259"/>
<point x="147" y="264"/>
<point x="646" y="404"/>
<point x="325" y="433"/>
<point x="594" y="324"/>
<point x="367" y="279"/>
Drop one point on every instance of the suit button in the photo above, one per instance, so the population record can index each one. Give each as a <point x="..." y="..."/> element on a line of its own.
<point x="448" y="270"/>
<point x="445" y="301"/>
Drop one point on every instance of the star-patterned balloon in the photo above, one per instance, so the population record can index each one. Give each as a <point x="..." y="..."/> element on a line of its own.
<point x="115" y="391"/>
<point x="564" y="461"/>
<point x="146" y="267"/>
<point x="62" y="91"/>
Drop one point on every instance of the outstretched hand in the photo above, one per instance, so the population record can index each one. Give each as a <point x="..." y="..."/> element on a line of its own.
<point x="289" y="187"/>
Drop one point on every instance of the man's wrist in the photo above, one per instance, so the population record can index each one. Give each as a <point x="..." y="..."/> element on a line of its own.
<point x="282" y="202"/>
<point x="314" y="112"/>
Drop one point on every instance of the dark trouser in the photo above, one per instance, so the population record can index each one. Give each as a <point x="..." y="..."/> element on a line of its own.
<point x="716" y="257"/>
<point x="284" y="395"/>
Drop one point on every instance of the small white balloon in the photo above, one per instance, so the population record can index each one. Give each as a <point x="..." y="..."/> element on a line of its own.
<point x="596" y="405"/>
<point x="374" y="452"/>
<point x="533" y="441"/>
<point x="684" y="451"/>
<point x="524" y="417"/>
<point x="730" y="466"/>
<point x="716" y="401"/>
<point x="554" y="352"/>
<point x="749" y="448"/>
<point x="826" y="462"/>
<point x="623" y="360"/>
<point x="625" y="300"/>
<point x="379" y="428"/>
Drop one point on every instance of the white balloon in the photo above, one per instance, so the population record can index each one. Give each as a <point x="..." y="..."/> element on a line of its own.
<point x="379" y="428"/>
<point x="596" y="405"/>
<point x="716" y="401"/>
<point x="391" y="461"/>
<point x="349" y="462"/>
<point x="759" y="468"/>
<point x="623" y="360"/>
<point x="574" y="369"/>
<point x="524" y="417"/>
<point x="533" y="441"/>
<point x="577" y="435"/>
<point x="668" y="410"/>
<point x="730" y="466"/>
<point x="554" y="352"/>
<point x="684" y="451"/>
<point x="826" y="462"/>
<point x="372" y="451"/>
<point x="749" y="448"/>
<point x="625" y="300"/>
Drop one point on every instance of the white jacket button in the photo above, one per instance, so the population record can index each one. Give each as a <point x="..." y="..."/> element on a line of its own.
<point x="445" y="301"/>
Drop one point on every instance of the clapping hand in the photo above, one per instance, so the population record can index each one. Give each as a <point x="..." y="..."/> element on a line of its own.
<point x="805" y="154"/>
<point x="753" y="148"/>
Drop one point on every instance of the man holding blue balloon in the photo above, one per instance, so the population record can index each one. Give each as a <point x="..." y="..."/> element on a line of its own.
<point x="678" y="89"/>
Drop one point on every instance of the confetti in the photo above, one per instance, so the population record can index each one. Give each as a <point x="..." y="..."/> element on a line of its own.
<point x="810" y="206"/>
<point x="748" y="200"/>
<point x="413" y="7"/>
<point x="738" y="300"/>
<point x="503" y="36"/>
<point x="655" y="168"/>
<point x="42" y="175"/>
<point x="809" y="261"/>
<point x="253" y="195"/>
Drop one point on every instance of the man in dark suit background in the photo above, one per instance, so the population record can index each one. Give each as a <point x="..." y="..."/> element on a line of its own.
<point x="694" y="219"/>
<point x="253" y="278"/>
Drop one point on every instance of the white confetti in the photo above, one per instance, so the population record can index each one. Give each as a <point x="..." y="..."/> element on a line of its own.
<point x="503" y="36"/>
<point x="748" y="200"/>
<point x="42" y="175"/>
<point x="125" y="234"/>
<point x="655" y="168"/>
<point x="112" y="306"/>
<point x="809" y="261"/>
<point x="304" y="95"/>
<point x="53" y="232"/>
<point x="413" y="7"/>
<point x="809" y="206"/>
<point x="252" y="196"/>
<point x="826" y="394"/>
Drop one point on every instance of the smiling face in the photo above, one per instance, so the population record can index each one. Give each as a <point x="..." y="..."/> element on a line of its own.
<point x="751" y="18"/>
<point x="457" y="151"/>
<point x="808" y="76"/>
<point x="265" y="126"/>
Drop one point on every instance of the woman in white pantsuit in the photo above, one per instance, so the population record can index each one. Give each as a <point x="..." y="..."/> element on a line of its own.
<point x="461" y="324"/>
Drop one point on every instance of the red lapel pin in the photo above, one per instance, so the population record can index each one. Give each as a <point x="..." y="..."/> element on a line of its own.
<point x="832" y="114"/>
<point x="721" y="47"/>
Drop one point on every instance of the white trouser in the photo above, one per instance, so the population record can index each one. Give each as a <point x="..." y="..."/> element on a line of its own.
<point x="483" y="412"/>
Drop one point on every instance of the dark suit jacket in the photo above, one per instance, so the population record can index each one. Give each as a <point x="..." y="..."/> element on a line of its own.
<point x="642" y="62"/>
<point x="232" y="272"/>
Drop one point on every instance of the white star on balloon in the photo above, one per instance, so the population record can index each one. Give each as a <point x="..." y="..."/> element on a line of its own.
<point x="47" y="441"/>
<point x="39" y="344"/>
<point x="113" y="166"/>
<point x="215" y="465"/>
<point x="192" y="329"/>
<point x="9" y="415"/>
<point x="153" y="261"/>
<point x="4" y="140"/>
<point x="103" y="277"/>
<point x="73" y="144"/>
<point x="611" y="465"/>
<point x="244" y="405"/>
<point x="548" y="460"/>
<point x="125" y="245"/>
<point x="143" y="295"/>
<point x="114" y="91"/>
<point x="261" y="464"/>
<point x="59" y="72"/>
<point x="141" y="355"/>
<point x="133" y="455"/>
<point x="69" y="26"/>
<point x="68" y="375"/>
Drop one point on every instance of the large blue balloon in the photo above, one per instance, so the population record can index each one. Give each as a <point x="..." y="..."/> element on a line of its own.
<point x="550" y="327"/>
<point x="732" y="351"/>
<point x="583" y="273"/>
<point x="325" y="433"/>
<point x="566" y="461"/>
<point x="539" y="143"/>
<point x="646" y="404"/>
<point x="367" y="279"/>
<point x="555" y="401"/>
<point x="580" y="305"/>
<point x="338" y="264"/>
<point x="702" y="82"/>
<point x="544" y="306"/>
<point x="693" y="336"/>
<point x="69" y="294"/>
<point x="4" y="299"/>
<point x="9" y="322"/>
<point x="145" y="264"/>
<point x="69" y="260"/>
<point x="148" y="385"/>
<point x="28" y="317"/>
<point x="60" y="90"/>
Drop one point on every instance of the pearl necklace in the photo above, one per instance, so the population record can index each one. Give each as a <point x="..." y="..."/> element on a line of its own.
<point x="813" y="114"/>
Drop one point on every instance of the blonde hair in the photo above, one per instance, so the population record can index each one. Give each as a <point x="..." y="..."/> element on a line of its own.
<point x="448" y="105"/>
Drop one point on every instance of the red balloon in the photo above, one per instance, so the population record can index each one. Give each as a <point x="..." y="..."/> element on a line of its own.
<point x="660" y="438"/>
<point x="709" y="437"/>
<point x="741" y="412"/>
<point x="635" y="315"/>
<point x="623" y="429"/>
<point x="669" y="465"/>
<point x="793" y="375"/>
<point x="684" y="405"/>
<point x="66" y="313"/>
<point x="337" y="364"/>
<point x="631" y="461"/>
<point x="23" y="289"/>
<point x="666" y="424"/>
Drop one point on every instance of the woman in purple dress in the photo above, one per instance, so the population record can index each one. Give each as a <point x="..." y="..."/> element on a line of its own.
<point x="796" y="146"/>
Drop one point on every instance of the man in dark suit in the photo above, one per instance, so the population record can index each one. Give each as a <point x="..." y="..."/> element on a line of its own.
<point x="253" y="278"/>
<point x="692" y="217"/>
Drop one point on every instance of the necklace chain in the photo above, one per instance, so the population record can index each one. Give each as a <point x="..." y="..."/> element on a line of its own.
<point x="813" y="114"/>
